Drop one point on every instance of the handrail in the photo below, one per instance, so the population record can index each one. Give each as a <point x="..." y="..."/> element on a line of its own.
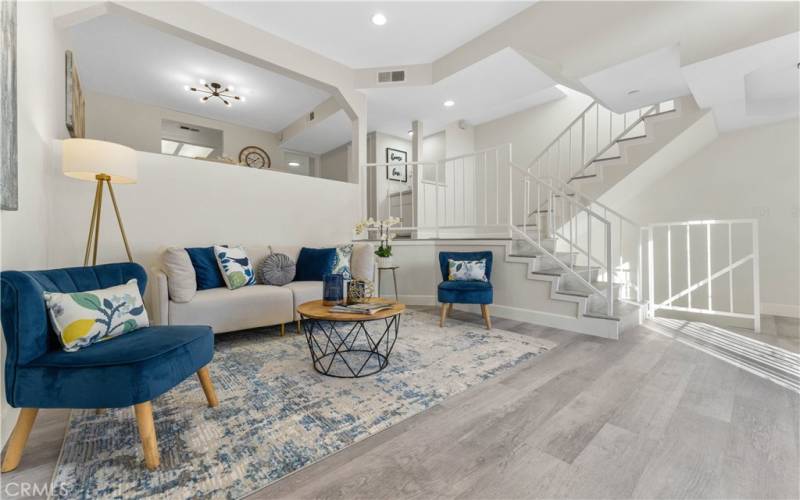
<point x="591" y="216"/>
<point x="605" y="207"/>
<point x="548" y="185"/>
<point x="558" y="138"/>
<point x="619" y="136"/>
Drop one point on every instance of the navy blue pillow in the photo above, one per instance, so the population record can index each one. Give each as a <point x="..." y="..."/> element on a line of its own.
<point x="206" y="269"/>
<point x="313" y="263"/>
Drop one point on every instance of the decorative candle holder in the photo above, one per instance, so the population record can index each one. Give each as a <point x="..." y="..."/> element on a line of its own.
<point x="332" y="289"/>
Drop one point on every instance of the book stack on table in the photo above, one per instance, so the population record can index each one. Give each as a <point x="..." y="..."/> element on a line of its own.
<point x="368" y="308"/>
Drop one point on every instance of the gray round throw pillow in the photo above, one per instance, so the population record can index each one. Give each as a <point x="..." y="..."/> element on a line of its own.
<point x="277" y="269"/>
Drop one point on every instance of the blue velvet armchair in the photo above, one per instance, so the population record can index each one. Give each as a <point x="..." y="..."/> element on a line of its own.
<point x="129" y="370"/>
<point x="465" y="292"/>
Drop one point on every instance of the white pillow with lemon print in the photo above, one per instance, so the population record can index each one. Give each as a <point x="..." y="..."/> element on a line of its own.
<point x="83" y="318"/>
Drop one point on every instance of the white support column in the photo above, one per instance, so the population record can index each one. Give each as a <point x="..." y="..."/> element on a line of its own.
<point x="416" y="155"/>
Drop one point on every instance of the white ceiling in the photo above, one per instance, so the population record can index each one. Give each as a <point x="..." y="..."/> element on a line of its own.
<point x="324" y="136"/>
<point x="750" y="86"/>
<point x="120" y="57"/>
<point x="656" y="77"/>
<point x="498" y="85"/>
<point x="415" y="33"/>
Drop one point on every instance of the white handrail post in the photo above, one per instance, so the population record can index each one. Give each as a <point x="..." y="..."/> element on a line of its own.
<point x="639" y="271"/>
<point x="510" y="198"/>
<point x="651" y="299"/>
<point x="583" y="140"/>
<point x="436" y="188"/>
<point x="610" y="279"/>
<point x="689" y="261"/>
<point x="756" y="281"/>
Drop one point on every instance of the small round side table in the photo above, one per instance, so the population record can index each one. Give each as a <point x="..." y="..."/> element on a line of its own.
<point x="394" y="280"/>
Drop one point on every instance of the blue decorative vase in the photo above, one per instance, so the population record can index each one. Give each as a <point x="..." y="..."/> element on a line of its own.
<point x="332" y="289"/>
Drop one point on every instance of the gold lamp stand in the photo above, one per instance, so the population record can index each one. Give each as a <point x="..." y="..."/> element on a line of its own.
<point x="94" y="225"/>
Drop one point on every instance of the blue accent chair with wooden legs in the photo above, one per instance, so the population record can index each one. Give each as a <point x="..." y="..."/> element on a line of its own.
<point x="465" y="292"/>
<point x="129" y="370"/>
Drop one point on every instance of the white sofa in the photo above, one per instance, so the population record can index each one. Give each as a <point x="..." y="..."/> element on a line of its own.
<point x="251" y="306"/>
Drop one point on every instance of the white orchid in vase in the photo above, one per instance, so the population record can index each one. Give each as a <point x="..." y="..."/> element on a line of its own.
<point x="384" y="232"/>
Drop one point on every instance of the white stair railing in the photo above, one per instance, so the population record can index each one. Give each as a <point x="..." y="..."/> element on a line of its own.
<point x="588" y="138"/>
<point x="676" y="282"/>
<point x="626" y="236"/>
<point x="588" y="254"/>
<point x="484" y="194"/>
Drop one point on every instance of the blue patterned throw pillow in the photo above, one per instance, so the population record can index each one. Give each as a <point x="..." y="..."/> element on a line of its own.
<point x="466" y="270"/>
<point x="342" y="263"/>
<point x="235" y="266"/>
<point x="83" y="318"/>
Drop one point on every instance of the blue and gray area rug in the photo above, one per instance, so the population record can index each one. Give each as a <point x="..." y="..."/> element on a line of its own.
<point x="276" y="414"/>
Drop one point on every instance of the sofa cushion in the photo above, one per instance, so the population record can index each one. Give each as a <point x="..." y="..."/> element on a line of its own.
<point x="128" y="370"/>
<point x="362" y="262"/>
<point x="205" y="268"/>
<point x="465" y="292"/>
<point x="314" y="263"/>
<point x="235" y="266"/>
<point x="304" y="291"/>
<point x="341" y="264"/>
<point x="181" y="279"/>
<point x="277" y="269"/>
<point x="229" y="310"/>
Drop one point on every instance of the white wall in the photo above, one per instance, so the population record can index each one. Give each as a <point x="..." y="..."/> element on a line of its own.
<point x="384" y="187"/>
<point x="531" y="130"/>
<point x="40" y="108"/>
<point x="333" y="164"/>
<point x="138" y="125"/>
<point x="752" y="173"/>
<point x="185" y="202"/>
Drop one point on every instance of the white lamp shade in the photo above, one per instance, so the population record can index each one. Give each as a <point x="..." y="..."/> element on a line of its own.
<point x="86" y="158"/>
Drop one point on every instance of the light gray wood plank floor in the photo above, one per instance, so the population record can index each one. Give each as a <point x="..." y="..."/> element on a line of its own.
<point x="642" y="417"/>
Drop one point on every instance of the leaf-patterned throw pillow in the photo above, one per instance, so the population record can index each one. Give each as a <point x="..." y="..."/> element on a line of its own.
<point x="83" y="318"/>
<point x="235" y="266"/>
<point x="342" y="263"/>
<point x="467" y="270"/>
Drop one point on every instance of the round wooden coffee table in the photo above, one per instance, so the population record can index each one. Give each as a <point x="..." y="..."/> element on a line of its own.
<point x="349" y="345"/>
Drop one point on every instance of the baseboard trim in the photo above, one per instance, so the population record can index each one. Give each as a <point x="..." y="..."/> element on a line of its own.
<point x="788" y="310"/>
<point x="589" y="326"/>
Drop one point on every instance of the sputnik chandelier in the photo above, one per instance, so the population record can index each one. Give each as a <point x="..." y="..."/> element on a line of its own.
<point x="215" y="89"/>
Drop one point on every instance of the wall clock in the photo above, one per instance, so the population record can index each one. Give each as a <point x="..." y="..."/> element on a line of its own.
<point x="254" y="157"/>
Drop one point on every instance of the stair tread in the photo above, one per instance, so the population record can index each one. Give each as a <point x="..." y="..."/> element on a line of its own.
<point x="621" y="308"/>
<point x="632" y="138"/>
<point x="652" y="115"/>
<point x="607" y="158"/>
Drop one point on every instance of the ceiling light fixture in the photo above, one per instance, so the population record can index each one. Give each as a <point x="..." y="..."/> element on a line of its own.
<point x="378" y="19"/>
<point x="411" y="133"/>
<point x="215" y="89"/>
<point x="449" y="103"/>
<point x="634" y="91"/>
<point x="294" y="164"/>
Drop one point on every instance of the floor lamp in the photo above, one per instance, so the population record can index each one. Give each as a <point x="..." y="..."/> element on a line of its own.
<point x="104" y="163"/>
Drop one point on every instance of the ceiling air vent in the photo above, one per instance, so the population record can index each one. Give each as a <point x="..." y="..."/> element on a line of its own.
<point x="391" y="76"/>
<point x="190" y="129"/>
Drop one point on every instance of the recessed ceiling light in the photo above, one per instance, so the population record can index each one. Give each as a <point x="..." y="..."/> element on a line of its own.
<point x="449" y="103"/>
<point x="634" y="91"/>
<point x="294" y="164"/>
<point x="379" y="19"/>
<point x="411" y="133"/>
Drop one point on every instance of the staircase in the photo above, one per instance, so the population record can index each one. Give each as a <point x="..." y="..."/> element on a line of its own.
<point x="589" y="255"/>
<point x="561" y="211"/>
